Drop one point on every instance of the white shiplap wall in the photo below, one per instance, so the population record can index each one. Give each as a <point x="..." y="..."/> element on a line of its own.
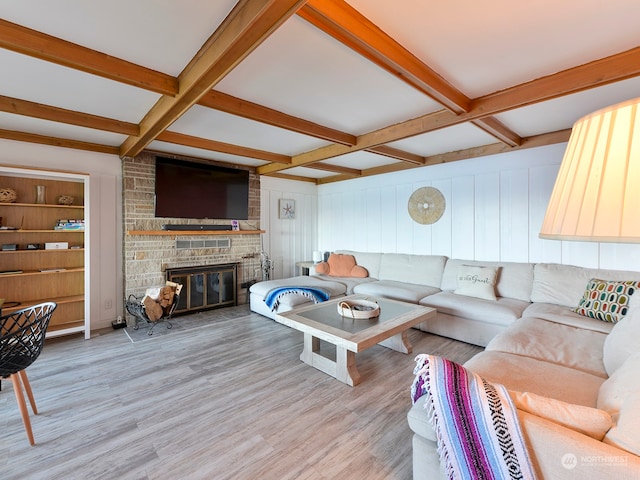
<point x="495" y="207"/>
<point x="288" y="241"/>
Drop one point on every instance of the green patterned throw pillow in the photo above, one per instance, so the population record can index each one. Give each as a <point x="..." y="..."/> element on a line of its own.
<point x="606" y="300"/>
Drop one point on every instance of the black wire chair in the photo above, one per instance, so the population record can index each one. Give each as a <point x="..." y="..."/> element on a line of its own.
<point x="21" y="340"/>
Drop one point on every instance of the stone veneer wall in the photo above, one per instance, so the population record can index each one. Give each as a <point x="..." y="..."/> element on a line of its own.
<point x="147" y="257"/>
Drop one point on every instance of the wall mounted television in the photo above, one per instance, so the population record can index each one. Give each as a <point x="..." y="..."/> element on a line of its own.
<point x="202" y="191"/>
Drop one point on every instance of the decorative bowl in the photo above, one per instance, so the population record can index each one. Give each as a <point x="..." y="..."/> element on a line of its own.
<point x="65" y="200"/>
<point x="359" y="309"/>
<point x="8" y="195"/>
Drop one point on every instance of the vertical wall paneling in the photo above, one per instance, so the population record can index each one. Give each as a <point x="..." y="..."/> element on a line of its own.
<point x="405" y="224"/>
<point x="462" y="217"/>
<point x="420" y="235"/>
<point x="441" y="230"/>
<point x="541" y="181"/>
<point x="388" y="219"/>
<point x="487" y="216"/>
<point x="288" y="241"/>
<point x="514" y="215"/>
<point x="584" y="254"/>
<point x="495" y="207"/>
<point x="624" y="256"/>
<point x="374" y="218"/>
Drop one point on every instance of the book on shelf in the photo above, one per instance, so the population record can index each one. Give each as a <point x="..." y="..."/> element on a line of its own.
<point x="49" y="270"/>
<point x="69" y="224"/>
<point x="9" y="272"/>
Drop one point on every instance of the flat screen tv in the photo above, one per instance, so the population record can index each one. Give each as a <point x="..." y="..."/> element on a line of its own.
<point x="197" y="190"/>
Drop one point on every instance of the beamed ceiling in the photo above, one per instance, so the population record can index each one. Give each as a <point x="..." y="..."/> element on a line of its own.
<point x="317" y="90"/>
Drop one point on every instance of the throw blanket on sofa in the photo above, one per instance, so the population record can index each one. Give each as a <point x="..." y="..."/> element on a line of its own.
<point x="475" y="422"/>
<point x="272" y="299"/>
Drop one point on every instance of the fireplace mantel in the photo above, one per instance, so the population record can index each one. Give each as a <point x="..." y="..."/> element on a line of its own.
<point x="195" y="232"/>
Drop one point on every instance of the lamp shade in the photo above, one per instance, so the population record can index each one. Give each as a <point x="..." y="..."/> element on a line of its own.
<point x="596" y="196"/>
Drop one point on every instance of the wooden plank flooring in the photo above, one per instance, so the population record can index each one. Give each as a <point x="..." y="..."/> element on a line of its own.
<point x="231" y="400"/>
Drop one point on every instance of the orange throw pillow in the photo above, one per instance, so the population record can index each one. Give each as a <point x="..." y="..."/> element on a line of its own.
<point x="341" y="265"/>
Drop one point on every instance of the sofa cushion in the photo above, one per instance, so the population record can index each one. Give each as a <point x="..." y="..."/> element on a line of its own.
<point x="503" y="311"/>
<point x="419" y="420"/>
<point x="620" y="396"/>
<point x="341" y="265"/>
<point x="566" y="316"/>
<point x="406" y="292"/>
<point x="528" y="374"/>
<point x="514" y="279"/>
<point x="625" y="433"/>
<point x="565" y="284"/>
<point x="606" y="300"/>
<point x="553" y="342"/>
<point x="586" y="420"/>
<point x="619" y="385"/>
<point x="476" y="281"/>
<point x="622" y="342"/>
<point x="418" y="269"/>
<point x="349" y="282"/>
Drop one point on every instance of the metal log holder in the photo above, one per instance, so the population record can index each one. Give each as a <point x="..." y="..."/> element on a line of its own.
<point x="136" y="309"/>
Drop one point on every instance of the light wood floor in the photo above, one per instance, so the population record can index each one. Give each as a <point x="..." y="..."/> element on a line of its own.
<point x="228" y="401"/>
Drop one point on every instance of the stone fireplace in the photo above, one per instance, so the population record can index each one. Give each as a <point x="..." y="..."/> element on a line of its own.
<point x="149" y="251"/>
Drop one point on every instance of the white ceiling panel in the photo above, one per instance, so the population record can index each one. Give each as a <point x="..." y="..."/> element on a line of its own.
<point x="483" y="47"/>
<point x="212" y="124"/>
<point x="171" y="148"/>
<point x="158" y="34"/>
<point x="301" y="71"/>
<point x="58" y="130"/>
<point x="309" y="172"/>
<point x="563" y="112"/>
<point x="43" y="82"/>
<point x="445" y="140"/>
<point x="361" y="160"/>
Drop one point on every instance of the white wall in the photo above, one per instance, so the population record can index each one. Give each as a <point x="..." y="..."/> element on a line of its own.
<point x="288" y="241"/>
<point x="105" y="185"/>
<point x="495" y="207"/>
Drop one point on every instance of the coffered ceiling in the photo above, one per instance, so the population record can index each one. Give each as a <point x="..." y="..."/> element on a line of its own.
<point x="317" y="90"/>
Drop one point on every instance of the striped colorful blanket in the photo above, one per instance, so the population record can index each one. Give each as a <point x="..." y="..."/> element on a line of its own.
<point x="316" y="295"/>
<point x="476" y="424"/>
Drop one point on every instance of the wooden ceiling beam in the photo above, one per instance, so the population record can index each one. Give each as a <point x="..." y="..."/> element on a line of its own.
<point x="56" y="142"/>
<point x="61" y="115"/>
<point x="573" y="80"/>
<point x="252" y="111"/>
<point x="335" y="168"/>
<point x="552" y="138"/>
<point x="215" y="146"/>
<point x="298" y="178"/>
<point x="397" y="154"/>
<point x="247" y="26"/>
<point x="497" y="129"/>
<point x="347" y="25"/>
<point x="343" y="22"/>
<point x="52" y="49"/>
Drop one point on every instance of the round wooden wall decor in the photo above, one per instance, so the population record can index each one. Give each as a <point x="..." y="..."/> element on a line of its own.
<point x="426" y="205"/>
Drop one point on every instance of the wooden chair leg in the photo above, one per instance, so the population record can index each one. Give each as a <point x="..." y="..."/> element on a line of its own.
<point x="27" y="387"/>
<point x="17" y="387"/>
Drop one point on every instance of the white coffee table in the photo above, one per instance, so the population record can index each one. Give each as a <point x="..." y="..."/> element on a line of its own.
<point x="323" y="322"/>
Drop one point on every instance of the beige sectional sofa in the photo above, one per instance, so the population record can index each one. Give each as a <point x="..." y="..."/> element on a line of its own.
<point x="574" y="379"/>
<point x="426" y="279"/>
